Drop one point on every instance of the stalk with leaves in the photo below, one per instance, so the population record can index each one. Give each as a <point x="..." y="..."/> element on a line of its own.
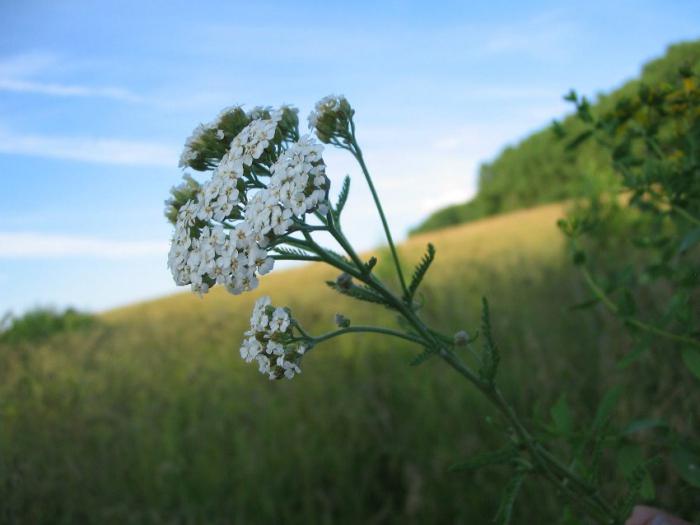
<point x="268" y="200"/>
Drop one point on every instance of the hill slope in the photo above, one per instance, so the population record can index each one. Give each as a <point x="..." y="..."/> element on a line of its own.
<point x="152" y="417"/>
<point x="540" y="170"/>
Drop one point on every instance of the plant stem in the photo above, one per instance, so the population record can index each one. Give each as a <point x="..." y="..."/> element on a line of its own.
<point x="368" y="329"/>
<point x="600" y="294"/>
<point x="595" y="505"/>
<point x="577" y="490"/>
<point x="357" y="153"/>
<point x="292" y="257"/>
<point x="683" y="213"/>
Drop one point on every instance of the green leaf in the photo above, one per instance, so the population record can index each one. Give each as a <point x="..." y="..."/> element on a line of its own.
<point x="691" y="358"/>
<point x="641" y="425"/>
<point x="687" y="463"/>
<point x="423" y="357"/>
<point x="510" y="494"/>
<point x="490" y="355"/>
<point x="485" y="459"/>
<point x="690" y="240"/>
<point x="632" y="357"/>
<point x="585" y="304"/>
<point x="579" y="139"/>
<point x="633" y="466"/>
<point x="342" y="196"/>
<point x="284" y="250"/>
<point x="605" y="408"/>
<point x="361" y="293"/>
<point x="627" y="306"/>
<point x="561" y="416"/>
<point x="420" y="271"/>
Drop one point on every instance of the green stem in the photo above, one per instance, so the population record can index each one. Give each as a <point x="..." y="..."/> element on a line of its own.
<point x="357" y="153"/>
<point x="292" y="257"/>
<point x="368" y="329"/>
<point x="595" y="505"/>
<point x="345" y="244"/>
<point x="690" y="218"/>
<point x="600" y="294"/>
<point x="562" y="477"/>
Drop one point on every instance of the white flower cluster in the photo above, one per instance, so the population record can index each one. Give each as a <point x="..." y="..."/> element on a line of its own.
<point x="268" y="342"/>
<point x="208" y="248"/>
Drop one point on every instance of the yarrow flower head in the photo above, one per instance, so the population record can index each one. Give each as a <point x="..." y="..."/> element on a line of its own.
<point x="262" y="185"/>
<point x="331" y="119"/>
<point x="271" y="343"/>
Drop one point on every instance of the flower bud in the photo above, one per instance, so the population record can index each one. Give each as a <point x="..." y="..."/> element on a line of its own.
<point x="461" y="338"/>
<point x="187" y="191"/>
<point x="342" y="321"/>
<point x="344" y="281"/>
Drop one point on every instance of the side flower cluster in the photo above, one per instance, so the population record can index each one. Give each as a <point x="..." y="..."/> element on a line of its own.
<point x="331" y="119"/>
<point x="269" y="342"/>
<point x="224" y="230"/>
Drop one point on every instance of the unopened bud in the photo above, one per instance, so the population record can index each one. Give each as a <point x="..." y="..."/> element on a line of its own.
<point x="461" y="338"/>
<point x="342" y="321"/>
<point x="344" y="281"/>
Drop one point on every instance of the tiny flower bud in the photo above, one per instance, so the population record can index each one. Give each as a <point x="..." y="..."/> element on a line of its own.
<point x="342" y="321"/>
<point x="344" y="281"/>
<point x="461" y="338"/>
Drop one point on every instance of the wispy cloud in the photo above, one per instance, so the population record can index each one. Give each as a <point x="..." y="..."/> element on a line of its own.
<point x="90" y="149"/>
<point x="18" y="74"/>
<point x="62" y="90"/>
<point x="28" y="64"/>
<point x="15" y="245"/>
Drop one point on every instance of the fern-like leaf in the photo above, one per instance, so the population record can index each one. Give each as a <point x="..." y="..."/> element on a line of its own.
<point x="423" y="356"/>
<point x="485" y="459"/>
<point x="420" y="271"/>
<point x="490" y="356"/>
<point x="510" y="494"/>
<point x="342" y="196"/>
<point x="361" y="293"/>
<point x="294" y="252"/>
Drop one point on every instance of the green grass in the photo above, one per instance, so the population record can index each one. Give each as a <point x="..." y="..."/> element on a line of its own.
<point x="152" y="417"/>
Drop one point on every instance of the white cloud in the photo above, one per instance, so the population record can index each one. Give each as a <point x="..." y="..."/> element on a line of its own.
<point x="62" y="90"/>
<point x="27" y="64"/>
<point x="90" y="149"/>
<point x="38" y="245"/>
<point x="18" y="75"/>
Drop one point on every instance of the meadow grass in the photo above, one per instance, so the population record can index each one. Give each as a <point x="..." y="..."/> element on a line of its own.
<point x="152" y="417"/>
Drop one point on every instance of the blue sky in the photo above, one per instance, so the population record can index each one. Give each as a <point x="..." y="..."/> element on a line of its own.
<point x="97" y="98"/>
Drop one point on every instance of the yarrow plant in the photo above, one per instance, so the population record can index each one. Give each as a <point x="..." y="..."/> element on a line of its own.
<point x="265" y="199"/>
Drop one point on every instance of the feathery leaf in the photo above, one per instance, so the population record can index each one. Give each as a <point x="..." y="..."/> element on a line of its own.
<point x="491" y="356"/>
<point x="361" y="293"/>
<point x="342" y="196"/>
<point x="420" y="271"/>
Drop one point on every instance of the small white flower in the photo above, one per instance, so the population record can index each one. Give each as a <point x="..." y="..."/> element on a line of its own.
<point x="279" y="321"/>
<point x="250" y="143"/>
<point x="251" y="348"/>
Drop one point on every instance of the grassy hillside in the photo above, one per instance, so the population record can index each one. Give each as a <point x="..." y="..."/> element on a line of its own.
<point x="152" y="417"/>
<point x="540" y="170"/>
